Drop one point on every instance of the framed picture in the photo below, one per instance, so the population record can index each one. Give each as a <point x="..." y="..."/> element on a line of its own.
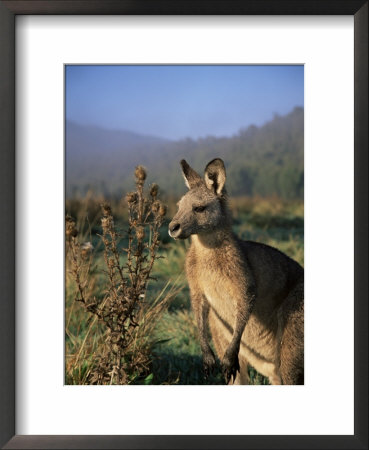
<point x="52" y="52"/>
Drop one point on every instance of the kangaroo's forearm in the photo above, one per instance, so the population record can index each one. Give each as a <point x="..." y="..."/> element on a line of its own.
<point x="244" y="307"/>
<point x="202" y="315"/>
<point x="201" y="309"/>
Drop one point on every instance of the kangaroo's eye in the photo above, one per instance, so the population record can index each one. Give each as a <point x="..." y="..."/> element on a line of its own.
<point x="199" y="208"/>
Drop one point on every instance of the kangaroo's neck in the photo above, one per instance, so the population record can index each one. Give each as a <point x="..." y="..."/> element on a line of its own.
<point x="216" y="239"/>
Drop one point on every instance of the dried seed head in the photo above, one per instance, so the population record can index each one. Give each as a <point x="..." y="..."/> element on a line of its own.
<point x="162" y="210"/>
<point x="107" y="223"/>
<point x="154" y="190"/>
<point x="155" y="206"/>
<point x="86" y="249"/>
<point x="106" y="209"/>
<point x="104" y="222"/>
<point x="140" y="233"/>
<point x="140" y="173"/>
<point x="72" y="232"/>
<point x="70" y="227"/>
<point x="131" y="197"/>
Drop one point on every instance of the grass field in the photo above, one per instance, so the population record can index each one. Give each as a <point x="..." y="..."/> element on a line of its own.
<point x="175" y="356"/>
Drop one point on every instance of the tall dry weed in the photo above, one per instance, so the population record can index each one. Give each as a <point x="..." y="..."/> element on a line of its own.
<point x="127" y="316"/>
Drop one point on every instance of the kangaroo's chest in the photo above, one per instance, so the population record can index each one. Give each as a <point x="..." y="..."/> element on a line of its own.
<point x="219" y="289"/>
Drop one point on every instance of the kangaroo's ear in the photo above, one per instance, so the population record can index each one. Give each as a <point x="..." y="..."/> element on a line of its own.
<point x="192" y="178"/>
<point x="215" y="176"/>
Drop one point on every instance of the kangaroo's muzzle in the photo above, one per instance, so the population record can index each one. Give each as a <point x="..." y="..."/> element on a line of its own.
<point x="174" y="229"/>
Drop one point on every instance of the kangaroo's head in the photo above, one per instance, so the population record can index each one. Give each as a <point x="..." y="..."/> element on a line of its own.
<point x="203" y="209"/>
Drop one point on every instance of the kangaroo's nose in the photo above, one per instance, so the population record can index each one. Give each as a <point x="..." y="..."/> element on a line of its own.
<point x="174" y="228"/>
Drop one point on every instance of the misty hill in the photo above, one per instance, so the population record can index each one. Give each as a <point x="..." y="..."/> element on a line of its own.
<point x="96" y="156"/>
<point x="264" y="160"/>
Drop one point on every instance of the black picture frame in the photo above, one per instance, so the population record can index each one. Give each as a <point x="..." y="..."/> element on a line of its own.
<point x="8" y="12"/>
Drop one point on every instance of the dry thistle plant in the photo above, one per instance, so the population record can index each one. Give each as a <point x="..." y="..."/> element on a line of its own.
<point x="123" y="308"/>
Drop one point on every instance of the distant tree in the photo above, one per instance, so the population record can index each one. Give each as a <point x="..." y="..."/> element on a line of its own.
<point x="266" y="160"/>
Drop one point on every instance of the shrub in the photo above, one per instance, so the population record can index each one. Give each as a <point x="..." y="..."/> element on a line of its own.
<point x="126" y="315"/>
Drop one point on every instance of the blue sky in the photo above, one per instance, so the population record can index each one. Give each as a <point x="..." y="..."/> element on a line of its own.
<point x="181" y="101"/>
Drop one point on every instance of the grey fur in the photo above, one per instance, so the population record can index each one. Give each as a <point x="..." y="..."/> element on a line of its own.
<point x="250" y="296"/>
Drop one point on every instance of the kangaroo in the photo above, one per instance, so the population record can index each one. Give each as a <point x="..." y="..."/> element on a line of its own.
<point x="249" y="295"/>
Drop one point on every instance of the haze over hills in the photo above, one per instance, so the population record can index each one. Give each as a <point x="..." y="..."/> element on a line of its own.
<point x="266" y="160"/>
<point x="96" y="155"/>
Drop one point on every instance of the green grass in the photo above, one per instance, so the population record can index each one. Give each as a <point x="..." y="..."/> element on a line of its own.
<point x="176" y="354"/>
